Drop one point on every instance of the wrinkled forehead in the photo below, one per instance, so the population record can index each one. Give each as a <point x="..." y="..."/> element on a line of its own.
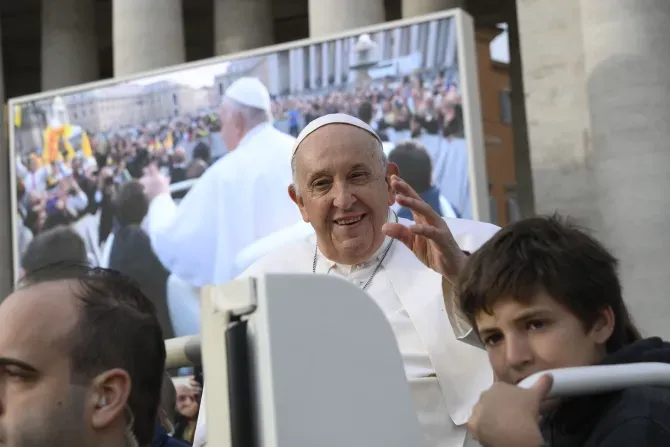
<point x="337" y="144"/>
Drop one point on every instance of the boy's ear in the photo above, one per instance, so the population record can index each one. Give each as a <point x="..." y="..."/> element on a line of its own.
<point x="602" y="329"/>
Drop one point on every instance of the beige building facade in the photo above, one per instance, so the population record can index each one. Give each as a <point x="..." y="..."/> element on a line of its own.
<point x="589" y="83"/>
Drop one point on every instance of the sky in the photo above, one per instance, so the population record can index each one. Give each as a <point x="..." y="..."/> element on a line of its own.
<point x="202" y="76"/>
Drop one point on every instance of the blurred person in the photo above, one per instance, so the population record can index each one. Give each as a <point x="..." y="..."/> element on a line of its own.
<point x="57" y="211"/>
<point x="238" y="200"/>
<point x="165" y="430"/>
<point x="366" y="114"/>
<point x="313" y="113"/>
<point x="83" y="359"/>
<point x="104" y="197"/>
<point x="342" y="187"/>
<point x="121" y="173"/>
<point x="178" y="166"/>
<point x="33" y="176"/>
<point x="416" y="169"/>
<point x="25" y="235"/>
<point x="293" y="115"/>
<point x="132" y="255"/>
<point x="196" y="169"/>
<point x="60" y="244"/>
<point x="203" y="152"/>
<point x="451" y="171"/>
<point x="188" y="407"/>
<point x="76" y="200"/>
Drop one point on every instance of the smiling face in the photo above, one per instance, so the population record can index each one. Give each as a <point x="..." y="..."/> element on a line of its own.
<point x="344" y="191"/>
<point x="523" y="338"/>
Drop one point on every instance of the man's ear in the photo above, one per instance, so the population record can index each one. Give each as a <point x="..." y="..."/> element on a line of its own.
<point x="111" y="391"/>
<point x="297" y="199"/>
<point x="602" y="329"/>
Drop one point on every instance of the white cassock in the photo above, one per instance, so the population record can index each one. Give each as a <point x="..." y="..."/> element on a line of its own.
<point x="241" y="198"/>
<point x="446" y="376"/>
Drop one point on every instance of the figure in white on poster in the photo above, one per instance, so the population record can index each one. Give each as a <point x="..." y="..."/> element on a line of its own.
<point x="344" y="186"/>
<point x="241" y="198"/>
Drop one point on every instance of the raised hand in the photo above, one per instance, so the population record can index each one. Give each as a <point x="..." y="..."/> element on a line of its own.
<point x="429" y="238"/>
<point x="154" y="182"/>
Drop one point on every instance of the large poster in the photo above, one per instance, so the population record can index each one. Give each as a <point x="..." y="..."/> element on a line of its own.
<point x="414" y="80"/>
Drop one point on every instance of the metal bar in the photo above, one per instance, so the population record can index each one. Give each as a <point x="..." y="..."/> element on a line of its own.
<point x="183" y="351"/>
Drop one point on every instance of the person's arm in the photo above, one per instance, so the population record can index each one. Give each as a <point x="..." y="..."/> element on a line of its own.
<point x="79" y="200"/>
<point x="21" y="170"/>
<point x="185" y="237"/>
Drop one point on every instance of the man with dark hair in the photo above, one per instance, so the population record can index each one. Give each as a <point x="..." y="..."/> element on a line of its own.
<point x="543" y="294"/>
<point x="132" y="254"/>
<point x="82" y="358"/>
<point x="131" y="205"/>
<point x="59" y="244"/>
<point x="416" y="169"/>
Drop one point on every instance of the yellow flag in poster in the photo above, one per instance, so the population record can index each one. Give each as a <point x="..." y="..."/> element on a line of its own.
<point x="86" y="145"/>
<point x="18" y="115"/>
<point x="169" y="142"/>
<point x="67" y="134"/>
<point x="53" y="137"/>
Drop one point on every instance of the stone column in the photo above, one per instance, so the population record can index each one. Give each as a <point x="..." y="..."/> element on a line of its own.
<point x="241" y="25"/>
<point x="147" y="35"/>
<point x="413" y="8"/>
<point x="599" y="131"/>
<point x="69" y="43"/>
<point x="522" y="168"/>
<point x="7" y="213"/>
<point x="327" y="17"/>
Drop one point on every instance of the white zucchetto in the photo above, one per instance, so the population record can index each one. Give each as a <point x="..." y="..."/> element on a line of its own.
<point x="333" y="118"/>
<point x="249" y="92"/>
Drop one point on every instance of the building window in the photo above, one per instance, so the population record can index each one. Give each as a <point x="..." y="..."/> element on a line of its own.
<point x="506" y="106"/>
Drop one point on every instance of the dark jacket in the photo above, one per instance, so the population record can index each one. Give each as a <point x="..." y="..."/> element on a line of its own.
<point x="133" y="256"/>
<point x="634" y="417"/>
<point x="432" y="198"/>
<point x="162" y="439"/>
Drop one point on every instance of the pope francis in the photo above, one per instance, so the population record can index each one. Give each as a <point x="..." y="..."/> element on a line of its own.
<point x="342" y="188"/>
<point x="238" y="200"/>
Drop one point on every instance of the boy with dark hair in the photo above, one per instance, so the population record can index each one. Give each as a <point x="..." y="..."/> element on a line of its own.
<point x="543" y="294"/>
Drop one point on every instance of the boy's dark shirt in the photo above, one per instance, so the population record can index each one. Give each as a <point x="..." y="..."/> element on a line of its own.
<point x="634" y="417"/>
